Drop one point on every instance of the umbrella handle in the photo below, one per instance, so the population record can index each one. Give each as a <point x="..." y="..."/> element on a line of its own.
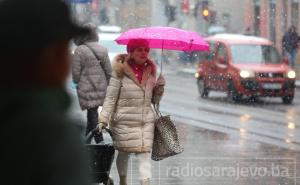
<point x="161" y="57"/>
<point x="161" y="60"/>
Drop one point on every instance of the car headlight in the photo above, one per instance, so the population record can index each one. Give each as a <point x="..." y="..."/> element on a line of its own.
<point x="197" y="75"/>
<point x="291" y="74"/>
<point x="247" y="74"/>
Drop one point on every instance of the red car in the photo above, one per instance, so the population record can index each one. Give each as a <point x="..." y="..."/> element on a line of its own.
<point x="245" y="66"/>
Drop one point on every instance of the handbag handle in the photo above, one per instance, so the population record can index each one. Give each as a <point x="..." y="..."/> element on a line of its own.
<point x="92" y="133"/>
<point x="157" y="111"/>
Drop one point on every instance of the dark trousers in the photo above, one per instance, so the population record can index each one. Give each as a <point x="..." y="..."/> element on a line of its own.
<point x="92" y="122"/>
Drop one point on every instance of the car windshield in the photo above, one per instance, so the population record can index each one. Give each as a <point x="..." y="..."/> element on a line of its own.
<point x="254" y="54"/>
<point x="112" y="46"/>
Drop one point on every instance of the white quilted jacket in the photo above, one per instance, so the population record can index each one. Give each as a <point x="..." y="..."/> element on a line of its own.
<point x="127" y="106"/>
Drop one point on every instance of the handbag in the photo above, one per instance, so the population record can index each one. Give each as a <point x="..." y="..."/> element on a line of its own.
<point x="101" y="157"/>
<point x="166" y="141"/>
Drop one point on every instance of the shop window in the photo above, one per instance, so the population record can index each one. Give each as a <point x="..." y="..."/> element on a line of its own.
<point x="272" y="24"/>
<point x="256" y="17"/>
<point x="295" y="12"/>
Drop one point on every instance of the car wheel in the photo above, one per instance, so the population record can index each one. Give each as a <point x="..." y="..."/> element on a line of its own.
<point x="202" y="88"/>
<point x="287" y="99"/>
<point x="232" y="93"/>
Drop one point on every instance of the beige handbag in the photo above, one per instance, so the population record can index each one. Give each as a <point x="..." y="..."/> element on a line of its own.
<point x="166" y="141"/>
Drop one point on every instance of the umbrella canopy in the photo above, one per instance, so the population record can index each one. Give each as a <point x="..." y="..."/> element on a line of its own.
<point x="166" y="38"/>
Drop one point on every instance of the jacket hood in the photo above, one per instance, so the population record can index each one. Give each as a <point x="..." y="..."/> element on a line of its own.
<point x="92" y="36"/>
<point x="121" y="67"/>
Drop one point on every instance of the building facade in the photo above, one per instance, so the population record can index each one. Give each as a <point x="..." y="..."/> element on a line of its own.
<point x="229" y="14"/>
<point x="272" y="18"/>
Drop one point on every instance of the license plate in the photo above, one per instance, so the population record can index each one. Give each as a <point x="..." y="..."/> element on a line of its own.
<point x="271" y="86"/>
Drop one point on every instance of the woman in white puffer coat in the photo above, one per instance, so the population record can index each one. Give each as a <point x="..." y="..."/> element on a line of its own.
<point x="127" y="107"/>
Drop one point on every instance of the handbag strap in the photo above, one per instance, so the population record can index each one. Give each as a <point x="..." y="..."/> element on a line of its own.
<point x="97" y="57"/>
<point x="156" y="109"/>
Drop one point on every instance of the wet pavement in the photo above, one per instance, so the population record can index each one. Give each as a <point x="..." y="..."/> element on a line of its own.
<point x="225" y="143"/>
<point x="268" y="120"/>
<point x="212" y="157"/>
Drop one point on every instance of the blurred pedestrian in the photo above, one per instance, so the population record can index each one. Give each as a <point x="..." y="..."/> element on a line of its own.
<point x="290" y="41"/>
<point x="185" y="58"/>
<point x="127" y="108"/>
<point x="248" y="31"/>
<point x="91" y="72"/>
<point x="39" y="143"/>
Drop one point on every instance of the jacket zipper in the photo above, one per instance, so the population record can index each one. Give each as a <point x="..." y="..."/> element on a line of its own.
<point x="143" y="119"/>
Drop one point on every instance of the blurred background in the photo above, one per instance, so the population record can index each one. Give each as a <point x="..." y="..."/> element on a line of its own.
<point x="265" y="18"/>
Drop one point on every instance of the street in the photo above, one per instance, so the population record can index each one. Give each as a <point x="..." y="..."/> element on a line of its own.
<point x="268" y="120"/>
<point x="225" y="142"/>
<point x="149" y="65"/>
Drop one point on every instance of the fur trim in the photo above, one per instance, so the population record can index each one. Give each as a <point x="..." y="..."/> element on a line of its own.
<point x="121" y="66"/>
<point x="92" y="36"/>
<point x="117" y="64"/>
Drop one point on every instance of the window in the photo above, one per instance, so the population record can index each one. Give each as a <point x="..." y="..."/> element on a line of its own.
<point x="254" y="54"/>
<point x="221" y="53"/>
<point x="272" y="15"/>
<point x="285" y="17"/>
<point x="256" y="17"/>
<point x="211" y="51"/>
<point x="295" y="12"/>
<point x="208" y="55"/>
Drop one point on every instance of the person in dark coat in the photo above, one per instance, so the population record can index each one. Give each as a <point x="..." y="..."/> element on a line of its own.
<point x="290" y="43"/>
<point x="91" y="71"/>
<point x="40" y="145"/>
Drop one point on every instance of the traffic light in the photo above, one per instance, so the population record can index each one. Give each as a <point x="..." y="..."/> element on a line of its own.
<point x="205" y="12"/>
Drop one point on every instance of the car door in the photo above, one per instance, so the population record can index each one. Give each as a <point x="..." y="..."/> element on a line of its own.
<point x="210" y="67"/>
<point x="221" y="62"/>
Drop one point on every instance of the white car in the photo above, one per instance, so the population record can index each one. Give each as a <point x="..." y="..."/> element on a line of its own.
<point x="107" y="40"/>
<point x="109" y="29"/>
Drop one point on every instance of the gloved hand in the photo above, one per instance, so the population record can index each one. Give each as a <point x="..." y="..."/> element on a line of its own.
<point x="100" y="126"/>
<point x="161" y="80"/>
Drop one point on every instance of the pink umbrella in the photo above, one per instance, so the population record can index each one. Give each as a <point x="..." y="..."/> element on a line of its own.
<point x="165" y="38"/>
